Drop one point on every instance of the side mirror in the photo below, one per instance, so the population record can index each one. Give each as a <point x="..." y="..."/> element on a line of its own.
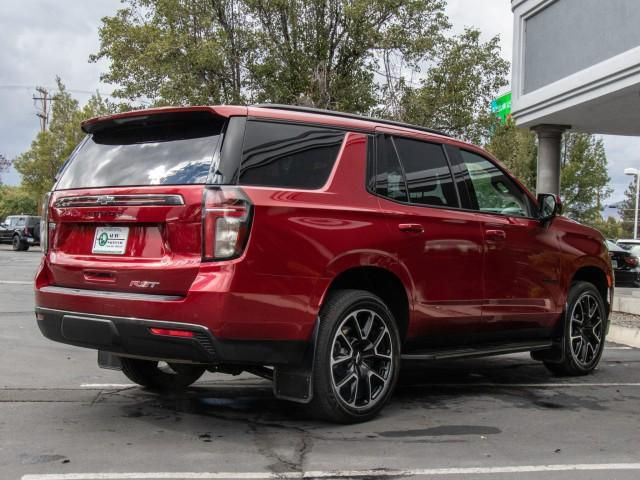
<point x="549" y="205"/>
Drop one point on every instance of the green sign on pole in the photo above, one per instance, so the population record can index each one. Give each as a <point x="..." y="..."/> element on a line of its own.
<point x="501" y="107"/>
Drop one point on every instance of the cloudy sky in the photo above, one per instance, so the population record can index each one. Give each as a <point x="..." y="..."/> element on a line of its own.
<point x="45" y="38"/>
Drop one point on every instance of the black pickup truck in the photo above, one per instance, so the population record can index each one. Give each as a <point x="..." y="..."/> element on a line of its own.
<point x="21" y="231"/>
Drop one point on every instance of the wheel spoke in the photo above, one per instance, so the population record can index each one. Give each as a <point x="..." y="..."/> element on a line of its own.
<point x="366" y="331"/>
<point x="593" y="307"/>
<point x="354" y="320"/>
<point x="346" y="380"/>
<point x="339" y="360"/>
<point x="583" y="350"/>
<point x="355" y="388"/>
<point x="346" y="341"/>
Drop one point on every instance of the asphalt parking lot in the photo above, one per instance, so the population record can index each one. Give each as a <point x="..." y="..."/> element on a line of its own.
<point x="61" y="417"/>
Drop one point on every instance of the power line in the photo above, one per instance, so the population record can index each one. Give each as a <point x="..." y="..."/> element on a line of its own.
<point x="31" y="87"/>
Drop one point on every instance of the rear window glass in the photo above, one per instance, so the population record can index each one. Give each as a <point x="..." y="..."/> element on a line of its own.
<point x="288" y="155"/>
<point x="157" y="150"/>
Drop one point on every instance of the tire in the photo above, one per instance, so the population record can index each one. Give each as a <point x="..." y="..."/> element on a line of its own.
<point x="583" y="332"/>
<point x="17" y="244"/>
<point x="151" y="375"/>
<point x="357" y="357"/>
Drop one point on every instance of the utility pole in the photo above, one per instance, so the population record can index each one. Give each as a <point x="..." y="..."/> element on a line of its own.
<point x="43" y="112"/>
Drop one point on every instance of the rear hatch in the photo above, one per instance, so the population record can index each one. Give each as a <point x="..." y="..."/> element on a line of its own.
<point x="126" y="213"/>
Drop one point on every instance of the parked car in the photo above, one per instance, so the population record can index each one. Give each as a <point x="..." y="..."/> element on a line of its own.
<point x="21" y="231"/>
<point x="313" y="248"/>
<point x="628" y="243"/>
<point x="625" y="266"/>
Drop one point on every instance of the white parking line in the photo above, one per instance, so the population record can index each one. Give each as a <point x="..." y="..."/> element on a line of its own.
<point x="108" y="385"/>
<point x="526" y="385"/>
<point x="424" y="472"/>
<point x="15" y="282"/>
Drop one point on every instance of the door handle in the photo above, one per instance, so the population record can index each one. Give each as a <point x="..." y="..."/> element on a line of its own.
<point x="411" y="227"/>
<point x="496" y="234"/>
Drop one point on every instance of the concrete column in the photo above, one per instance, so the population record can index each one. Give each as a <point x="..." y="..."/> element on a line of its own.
<point x="549" y="144"/>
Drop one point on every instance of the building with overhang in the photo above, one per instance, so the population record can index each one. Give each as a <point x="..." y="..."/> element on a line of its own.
<point x="576" y="65"/>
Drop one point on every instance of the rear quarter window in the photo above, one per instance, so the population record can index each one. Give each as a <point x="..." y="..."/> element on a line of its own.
<point x="286" y="155"/>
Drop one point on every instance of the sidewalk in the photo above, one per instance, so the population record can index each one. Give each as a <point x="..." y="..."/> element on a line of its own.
<point x="625" y="329"/>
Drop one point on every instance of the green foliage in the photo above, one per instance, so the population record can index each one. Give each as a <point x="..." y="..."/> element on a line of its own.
<point x="321" y="53"/>
<point x="457" y="91"/>
<point x="627" y="210"/>
<point x="49" y="150"/>
<point x="583" y="178"/>
<point x="610" y="228"/>
<point x="516" y="148"/>
<point x="5" y="164"/>
<point x="16" y="200"/>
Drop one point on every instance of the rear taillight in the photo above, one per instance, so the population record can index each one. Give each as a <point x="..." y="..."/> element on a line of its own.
<point x="44" y="224"/>
<point x="631" y="261"/>
<point x="225" y="223"/>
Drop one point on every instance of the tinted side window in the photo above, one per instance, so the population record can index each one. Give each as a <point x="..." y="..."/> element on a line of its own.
<point x="389" y="178"/>
<point x="494" y="191"/>
<point x="287" y="155"/>
<point x="429" y="179"/>
<point x="21" y="222"/>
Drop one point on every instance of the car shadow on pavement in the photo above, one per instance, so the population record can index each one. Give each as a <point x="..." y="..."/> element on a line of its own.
<point x="516" y="383"/>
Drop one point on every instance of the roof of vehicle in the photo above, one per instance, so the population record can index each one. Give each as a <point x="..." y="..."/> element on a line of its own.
<point x="614" y="247"/>
<point x="628" y="240"/>
<point x="306" y="115"/>
<point x="285" y="112"/>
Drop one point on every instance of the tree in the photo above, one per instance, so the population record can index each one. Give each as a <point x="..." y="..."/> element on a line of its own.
<point x="610" y="228"/>
<point x="583" y="178"/>
<point x="517" y="149"/>
<point x="16" y="200"/>
<point x="627" y="210"/>
<point x="321" y="53"/>
<point x="456" y="93"/>
<point x="40" y="164"/>
<point x="5" y="164"/>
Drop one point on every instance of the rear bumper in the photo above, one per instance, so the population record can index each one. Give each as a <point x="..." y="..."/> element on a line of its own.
<point x="132" y="337"/>
<point x="626" y="277"/>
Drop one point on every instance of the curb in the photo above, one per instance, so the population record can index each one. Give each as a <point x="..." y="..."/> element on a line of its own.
<point x="624" y="335"/>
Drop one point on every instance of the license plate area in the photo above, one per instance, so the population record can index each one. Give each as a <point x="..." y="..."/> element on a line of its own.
<point x="110" y="240"/>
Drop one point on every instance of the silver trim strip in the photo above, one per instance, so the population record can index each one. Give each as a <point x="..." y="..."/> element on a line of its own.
<point x="136" y="200"/>
<point x="109" y="294"/>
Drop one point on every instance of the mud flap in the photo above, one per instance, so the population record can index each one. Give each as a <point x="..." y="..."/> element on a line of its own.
<point x="109" y="361"/>
<point x="295" y="382"/>
<point x="554" y="354"/>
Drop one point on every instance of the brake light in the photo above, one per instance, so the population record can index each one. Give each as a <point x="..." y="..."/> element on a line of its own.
<point x="225" y="224"/>
<point x="44" y="224"/>
<point x="170" y="332"/>
<point x="631" y="261"/>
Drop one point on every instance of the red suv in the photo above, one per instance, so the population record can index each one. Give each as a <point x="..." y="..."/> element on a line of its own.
<point x="313" y="248"/>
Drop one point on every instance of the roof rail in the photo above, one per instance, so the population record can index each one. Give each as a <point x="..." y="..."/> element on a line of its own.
<point x="333" y="113"/>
